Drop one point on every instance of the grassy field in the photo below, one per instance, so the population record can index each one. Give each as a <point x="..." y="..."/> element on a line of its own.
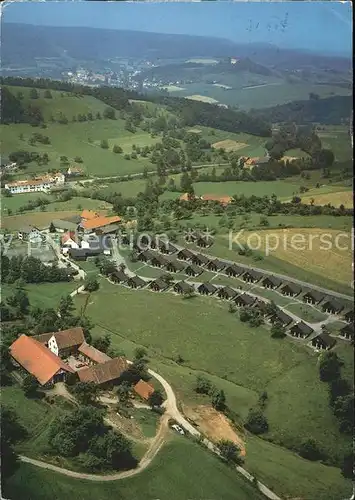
<point x="148" y="421"/>
<point x="280" y="188"/>
<point x="338" y="140"/>
<point x="43" y="294"/>
<point x="204" y="476"/>
<point x="335" y="198"/>
<point x="37" y="219"/>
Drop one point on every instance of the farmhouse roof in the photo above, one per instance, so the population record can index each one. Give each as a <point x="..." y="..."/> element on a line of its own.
<point x="89" y="214"/>
<point x="225" y="200"/>
<point x="100" y="221"/>
<point x="64" y="338"/>
<point x="70" y="235"/>
<point x="160" y="283"/>
<point x="110" y="228"/>
<point x="65" y="224"/>
<point x="104" y="372"/>
<point x="78" y="252"/>
<point x="73" y="218"/>
<point x="143" y="389"/>
<point x="302" y="327"/>
<point x="93" y="353"/>
<point x="36" y="359"/>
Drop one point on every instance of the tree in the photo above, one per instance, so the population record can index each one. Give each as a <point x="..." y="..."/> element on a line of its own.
<point x="325" y="158"/>
<point x="278" y="331"/>
<point x="219" y="400"/>
<point x="34" y="93"/>
<point x="347" y="468"/>
<point x="123" y="392"/>
<point x="104" y="144"/>
<point x="47" y="94"/>
<point x="264" y="221"/>
<point x="309" y="449"/>
<point x="30" y="386"/>
<point x="52" y="228"/>
<point x="329" y="366"/>
<point x="102" y="343"/>
<point x="156" y="399"/>
<point x="66" y="306"/>
<point x="86" y="392"/>
<point x="91" y="285"/>
<point x="109" y="113"/>
<point x="11" y="433"/>
<point x="256" y="422"/>
<point x="140" y="353"/>
<point x="203" y="385"/>
<point x="78" y="159"/>
<point x="229" y="451"/>
<point x="117" y="149"/>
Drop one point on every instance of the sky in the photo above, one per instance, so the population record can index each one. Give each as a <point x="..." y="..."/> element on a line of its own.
<point x="318" y="26"/>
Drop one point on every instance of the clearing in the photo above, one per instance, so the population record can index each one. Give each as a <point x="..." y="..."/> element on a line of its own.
<point x="173" y="88"/>
<point x="202" y="98"/>
<point x="37" y="219"/>
<point x="336" y="198"/>
<point x="229" y="145"/>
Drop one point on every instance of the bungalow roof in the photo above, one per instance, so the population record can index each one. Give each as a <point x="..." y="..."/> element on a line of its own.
<point x="211" y="288"/>
<point x="302" y="327"/>
<point x="325" y="339"/>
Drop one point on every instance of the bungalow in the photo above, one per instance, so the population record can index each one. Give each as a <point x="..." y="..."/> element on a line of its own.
<point x="77" y="253"/>
<point x="216" y="265"/>
<point x="204" y="241"/>
<point x="290" y="290"/>
<point x="332" y="306"/>
<point x="193" y="270"/>
<point x="244" y="300"/>
<point x="226" y="293"/>
<point x="207" y="289"/>
<point x="159" y="285"/>
<point x="175" y="266"/>
<point x="323" y="341"/>
<point x="185" y="254"/>
<point x="146" y="256"/>
<point x="261" y="306"/>
<point x="159" y="261"/>
<point x="252" y="276"/>
<point x="271" y="282"/>
<point x="191" y="236"/>
<point x="119" y="277"/>
<point x="347" y="332"/>
<point x="349" y="316"/>
<point x="183" y="288"/>
<point x="143" y="389"/>
<point x="313" y="297"/>
<point x="64" y="342"/>
<point x="36" y="359"/>
<point x="200" y="259"/>
<point x="166" y="247"/>
<point x="233" y="270"/>
<point x="104" y="374"/>
<point x="91" y="355"/>
<point x="136" y="282"/>
<point x="301" y="330"/>
<point x="281" y="317"/>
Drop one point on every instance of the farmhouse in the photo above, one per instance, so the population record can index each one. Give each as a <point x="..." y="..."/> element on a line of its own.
<point x="216" y="265"/>
<point x="226" y="293"/>
<point x="271" y="282"/>
<point x="223" y="200"/>
<point x="193" y="270"/>
<point x="69" y="240"/>
<point x="175" y="266"/>
<point x="30" y="233"/>
<point x="323" y="341"/>
<point x="313" y="297"/>
<point x="106" y="373"/>
<point x="74" y="171"/>
<point x="349" y="316"/>
<point x="97" y="224"/>
<point x="290" y="290"/>
<point x="185" y="254"/>
<point x="332" y="306"/>
<point x="43" y="184"/>
<point x="88" y="215"/>
<point x="119" y="276"/>
<point x="183" y="288"/>
<point x="136" y="282"/>
<point x="281" y="317"/>
<point x="347" y="332"/>
<point x="207" y="289"/>
<point x="64" y="342"/>
<point x="91" y="355"/>
<point x="200" y="259"/>
<point x="159" y="261"/>
<point x="244" y="300"/>
<point x="234" y="270"/>
<point x="301" y="330"/>
<point x="159" y="285"/>
<point x="143" y="389"/>
<point x="146" y="256"/>
<point x="39" y="361"/>
<point x="252" y="276"/>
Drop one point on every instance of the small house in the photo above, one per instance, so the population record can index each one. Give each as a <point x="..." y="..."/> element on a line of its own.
<point x="323" y="341"/>
<point x="301" y="330"/>
<point x="119" y="276"/>
<point x="166" y="247"/>
<point x="185" y="254"/>
<point x="200" y="259"/>
<point x="159" y="285"/>
<point x="226" y="293"/>
<point x="145" y="256"/>
<point x="193" y="270"/>
<point x="244" y="300"/>
<point x="313" y="297"/>
<point x="233" y="270"/>
<point x="347" y="332"/>
<point x="159" y="261"/>
<point x="281" y="317"/>
<point x="207" y="289"/>
<point x="290" y="290"/>
<point x="143" y="389"/>
<point x="78" y="254"/>
<point x="251" y="276"/>
<point x="175" y="266"/>
<point x="204" y="241"/>
<point x="349" y="316"/>
<point x="30" y="234"/>
<point x="216" y="265"/>
<point x="183" y="288"/>
<point x="332" y="306"/>
<point x="69" y="240"/>
<point x="271" y="282"/>
<point x="136" y="282"/>
<point x="261" y="306"/>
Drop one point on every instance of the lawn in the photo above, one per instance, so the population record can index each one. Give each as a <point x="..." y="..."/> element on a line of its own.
<point x="182" y="470"/>
<point x="40" y="220"/>
<point x="43" y="294"/>
<point x="336" y="198"/>
<point x="148" y="421"/>
<point x="126" y="142"/>
<point x="338" y="140"/>
<point x="280" y="188"/>
<point x="306" y="312"/>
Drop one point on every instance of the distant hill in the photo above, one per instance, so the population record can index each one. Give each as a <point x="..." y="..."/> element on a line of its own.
<point x="328" y="111"/>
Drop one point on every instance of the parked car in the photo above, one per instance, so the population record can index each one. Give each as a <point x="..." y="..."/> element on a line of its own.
<point x="178" y="429"/>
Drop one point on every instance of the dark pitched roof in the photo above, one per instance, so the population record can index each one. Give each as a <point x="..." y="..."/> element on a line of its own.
<point x="208" y="286"/>
<point x="333" y="304"/>
<point x="245" y="298"/>
<point x="166" y="246"/>
<point x="104" y="372"/>
<point x="159" y="259"/>
<point x="183" y="286"/>
<point x="260" y="304"/>
<point x="178" y="266"/>
<point x="302" y="327"/>
<point x="78" y="253"/>
<point x="136" y="280"/>
<point x="193" y="269"/>
<point x="234" y="268"/>
<point x="281" y="316"/>
<point x="120" y="275"/>
<point x="349" y="314"/>
<point x="200" y="259"/>
<point x="272" y="279"/>
<point x="325" y="339"/>
<point x="75" y="219"/>
<point x="217" y="264"/>
<point x="349" y="328"/>
<point x="147" y="254"/>
<point x="160" y="283"/>
<point x="185" y="253"/>
<point x="314" y="294"/>
<point x="256" y="275"/>
<point x="228" y="291"/>
<point x="296" y="289"/>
